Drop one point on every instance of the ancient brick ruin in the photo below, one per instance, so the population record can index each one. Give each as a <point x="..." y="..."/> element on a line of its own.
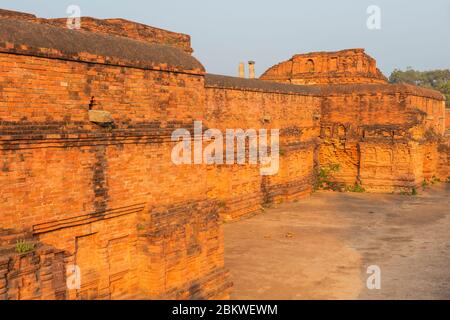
<point x="342" y="67"/>
<point x="105" y="196"/>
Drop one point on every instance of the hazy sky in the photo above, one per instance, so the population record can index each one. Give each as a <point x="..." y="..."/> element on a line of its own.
<point x="413" y="32"/>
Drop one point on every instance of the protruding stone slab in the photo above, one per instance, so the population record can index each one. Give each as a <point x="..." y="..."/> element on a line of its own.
<point x="100" y="117"/>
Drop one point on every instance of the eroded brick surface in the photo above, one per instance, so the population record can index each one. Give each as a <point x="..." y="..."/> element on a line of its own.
<point x="236" y="103"/>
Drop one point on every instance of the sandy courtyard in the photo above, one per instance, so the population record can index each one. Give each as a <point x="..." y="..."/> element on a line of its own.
<point x="320" y="247"/>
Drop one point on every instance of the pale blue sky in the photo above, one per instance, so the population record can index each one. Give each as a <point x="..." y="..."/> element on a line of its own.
<point x="413" y="32"/>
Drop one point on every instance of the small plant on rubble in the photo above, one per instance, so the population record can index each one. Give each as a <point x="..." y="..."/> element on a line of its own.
<point x="24" y="247"/>
<point x="448" y="179"/>
<point x="357" y="188"/>
<point x="435" y="180"/>
<point x="323" y="177"/>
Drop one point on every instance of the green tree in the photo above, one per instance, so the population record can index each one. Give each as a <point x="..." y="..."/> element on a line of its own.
<point x="434" y="79"/>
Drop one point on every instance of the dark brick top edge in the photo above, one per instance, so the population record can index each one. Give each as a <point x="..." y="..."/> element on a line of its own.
<point x="219" y="81"/>
<point x="108" y="21"/>
<point x="337" y="52"/>
<point x="28" y="38"/>
<point x="227" y="82"/>
<point x="380" y="88"/>
<point x="140" y="24"/>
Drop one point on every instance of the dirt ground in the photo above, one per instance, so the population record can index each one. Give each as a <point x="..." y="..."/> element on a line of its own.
<point x="321" y="247"/>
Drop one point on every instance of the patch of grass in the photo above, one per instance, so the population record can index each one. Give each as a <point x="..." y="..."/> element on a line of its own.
<point x="409" y="192"/>
<point x="323" y="176"/>
<point x="448" y="179"/>
<point x="24" y="247"/>
<point x="357" y="188"/>
<point x="425" y="184"/>
<point x="431" y="135"/>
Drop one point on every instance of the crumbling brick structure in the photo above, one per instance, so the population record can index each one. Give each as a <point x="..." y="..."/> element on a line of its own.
<point x="244" y="103"/>
<point x="346" y="66"/>
<point x="116" y="27"/>
<point x="87" y="178"/>
<point x="384" y="137"/>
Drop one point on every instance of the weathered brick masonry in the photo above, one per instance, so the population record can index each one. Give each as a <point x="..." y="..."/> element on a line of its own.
<point x="116" y="27"/>
<point x="107" y="197"/>
<point x="244" y="103"/>
<point x="384" y="137"/>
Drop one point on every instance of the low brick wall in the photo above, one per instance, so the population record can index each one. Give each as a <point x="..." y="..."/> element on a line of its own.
<point x="109" y="198"/>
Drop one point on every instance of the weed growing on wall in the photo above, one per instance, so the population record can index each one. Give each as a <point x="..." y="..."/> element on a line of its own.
<point x="24" y="247"/>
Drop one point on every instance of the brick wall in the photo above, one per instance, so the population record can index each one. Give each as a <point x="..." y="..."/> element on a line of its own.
<point x="233" y="103"/>
<point x="108" y="197"/>
<point x="447" y="118"/>
<point x="39" y="274"/>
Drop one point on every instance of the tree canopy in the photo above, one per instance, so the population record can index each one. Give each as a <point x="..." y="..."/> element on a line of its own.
<point x="434" y="79"/>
